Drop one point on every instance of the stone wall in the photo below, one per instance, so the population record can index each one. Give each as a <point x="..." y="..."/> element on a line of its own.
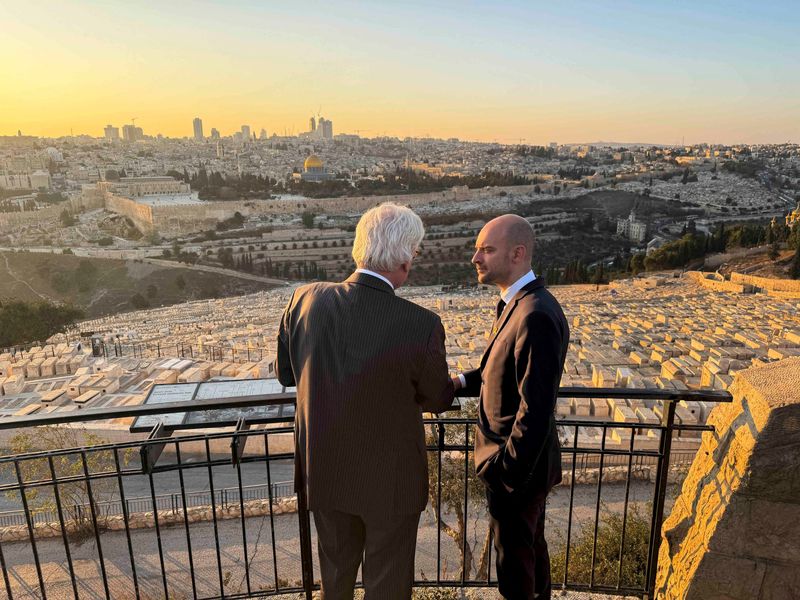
<point x="734" y="532"/>
<point x="146" y="520"/>
<point x="766" y="283"/>
<point x="140" y="214"/>
<point x="10" y="221"/>
<point x="170" y="220"/>
<point x="714" y="282"/>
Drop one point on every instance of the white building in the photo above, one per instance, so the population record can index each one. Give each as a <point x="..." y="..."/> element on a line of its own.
<point x="632" y="228"/>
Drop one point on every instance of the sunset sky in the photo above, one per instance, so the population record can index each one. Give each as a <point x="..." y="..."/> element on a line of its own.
<point x="711" y="71"/>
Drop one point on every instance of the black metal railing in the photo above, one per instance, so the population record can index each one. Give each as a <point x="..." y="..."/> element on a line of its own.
<point x="604" y="522"/>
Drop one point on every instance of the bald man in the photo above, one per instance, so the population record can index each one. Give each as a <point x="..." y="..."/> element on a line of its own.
<point x="517" y="454"/>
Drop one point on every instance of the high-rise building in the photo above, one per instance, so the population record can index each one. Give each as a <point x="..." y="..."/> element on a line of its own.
<point x="327" y="128"/>
<point x="245" y="133"/>
<point x="263" y="134"/>
<point x="111" y="133"/>
<point x="132" y="133"/>
<point x="198" y="129"/>
<point x="312" y="124"/>
<point x="214" y="134"/>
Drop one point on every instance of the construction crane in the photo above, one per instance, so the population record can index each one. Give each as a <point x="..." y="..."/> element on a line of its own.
<point x="133" y="121"/>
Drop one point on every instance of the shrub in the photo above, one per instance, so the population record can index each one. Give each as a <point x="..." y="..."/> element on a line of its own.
<point x="609" y="535"/>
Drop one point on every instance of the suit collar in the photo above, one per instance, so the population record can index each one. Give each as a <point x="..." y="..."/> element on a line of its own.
<point x="531" y="287"/>
<point x="370" y="281"/>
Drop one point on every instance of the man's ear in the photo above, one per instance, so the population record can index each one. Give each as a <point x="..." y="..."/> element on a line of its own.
<point x="405" y="266"/>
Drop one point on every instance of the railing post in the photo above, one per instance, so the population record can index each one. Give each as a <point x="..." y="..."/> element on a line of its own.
<point x="303" y="515"/>
<point x="662" y="474"/>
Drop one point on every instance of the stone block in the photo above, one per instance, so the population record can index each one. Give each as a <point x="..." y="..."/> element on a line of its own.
<point x="772" y="530"/>
<point x="739" y="509"/>
<point x="780" y="582"/>
<point x="726" y="578"/>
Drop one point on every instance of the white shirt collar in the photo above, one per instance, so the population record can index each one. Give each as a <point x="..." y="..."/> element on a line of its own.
<point x="374" y="274"/>
<point x="517" y="286"/>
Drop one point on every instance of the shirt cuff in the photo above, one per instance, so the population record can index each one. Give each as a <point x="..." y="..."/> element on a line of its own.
<point x="463" y="380"/>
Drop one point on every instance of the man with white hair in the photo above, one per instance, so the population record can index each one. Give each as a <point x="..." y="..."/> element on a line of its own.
<point x="366" y="364"/>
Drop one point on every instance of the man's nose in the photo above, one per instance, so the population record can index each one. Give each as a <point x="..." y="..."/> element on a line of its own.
<point x="475" y="258"/>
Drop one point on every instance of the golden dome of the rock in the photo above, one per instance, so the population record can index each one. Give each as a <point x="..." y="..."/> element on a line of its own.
<point x="312" y="162"/>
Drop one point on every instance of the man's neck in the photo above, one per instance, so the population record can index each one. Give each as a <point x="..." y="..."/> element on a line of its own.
<point x="386" y="277"/>
<point x="514" y="282"/>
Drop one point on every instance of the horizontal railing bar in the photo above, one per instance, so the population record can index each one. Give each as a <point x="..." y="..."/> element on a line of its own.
<point x="116" y="412"/>
<point x="645" y="394"/>
<point x="99" y="414"/>
<point x="197" y="437"/>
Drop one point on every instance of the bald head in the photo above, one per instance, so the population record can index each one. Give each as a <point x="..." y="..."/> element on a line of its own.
<point x="503" y="250"/>
<point x="515" y="230"/>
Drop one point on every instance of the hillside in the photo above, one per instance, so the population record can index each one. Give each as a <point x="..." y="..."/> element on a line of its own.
<point x="105" y="286"/>
<point x="757" y="262"/>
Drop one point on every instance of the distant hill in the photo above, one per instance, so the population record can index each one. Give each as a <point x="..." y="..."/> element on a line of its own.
<point x="105" y="286"/>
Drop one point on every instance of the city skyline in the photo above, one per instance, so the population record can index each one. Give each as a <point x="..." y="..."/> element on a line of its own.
<point x="529" y="73"/>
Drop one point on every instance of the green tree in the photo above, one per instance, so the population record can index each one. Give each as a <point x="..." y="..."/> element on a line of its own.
<point x="637" y="263"/>
<point x="180" y="282"/>
<point x="69" y="466"/>
<point x="474" y="553"/>
<point x="67" y="220"/>
<point x="154" y="238"/>
<point x="774" y="250"/>
<point x="139" y="302"/>
<point x="794" y="268"/>
<point x="599" y="274"/>
<point x="308" y="219"/>
<point x="22" y="322"/>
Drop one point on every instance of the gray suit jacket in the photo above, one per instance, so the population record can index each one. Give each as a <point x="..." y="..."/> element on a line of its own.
<point x="516" y="442"/>
<point x="366" y="364"/>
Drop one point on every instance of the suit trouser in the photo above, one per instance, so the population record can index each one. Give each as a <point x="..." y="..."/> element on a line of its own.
<point x="523" y="562"/>
<point x="387" y="544"/>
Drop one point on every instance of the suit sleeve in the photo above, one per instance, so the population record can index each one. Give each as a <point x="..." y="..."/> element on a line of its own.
<point x="473" y="389"/>
<point x="538" y="373"/>
<point x="434" y="386"/>
<point x="283" y="362"/>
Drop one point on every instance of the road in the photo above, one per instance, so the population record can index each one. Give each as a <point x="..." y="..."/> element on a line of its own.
<point x="135" y="254"/>
<point x="218" y="270"/>
<point x="195" y="480"/>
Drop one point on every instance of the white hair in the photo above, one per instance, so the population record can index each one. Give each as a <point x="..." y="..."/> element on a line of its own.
<point x="387" y="236"/>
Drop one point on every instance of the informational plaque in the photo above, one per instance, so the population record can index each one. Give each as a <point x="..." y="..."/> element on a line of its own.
<point x="274" y="408"/>
<point x="239" y="388"/>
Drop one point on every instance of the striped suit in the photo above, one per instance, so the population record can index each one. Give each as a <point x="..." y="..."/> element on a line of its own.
<point x="366" y="363"/>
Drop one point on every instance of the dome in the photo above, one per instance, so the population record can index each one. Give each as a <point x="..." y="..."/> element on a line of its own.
<point x="312" y="162"/>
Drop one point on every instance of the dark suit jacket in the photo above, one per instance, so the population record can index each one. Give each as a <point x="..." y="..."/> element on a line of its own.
<point x="516" y="443"/>
<point x="366" y="364"/>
